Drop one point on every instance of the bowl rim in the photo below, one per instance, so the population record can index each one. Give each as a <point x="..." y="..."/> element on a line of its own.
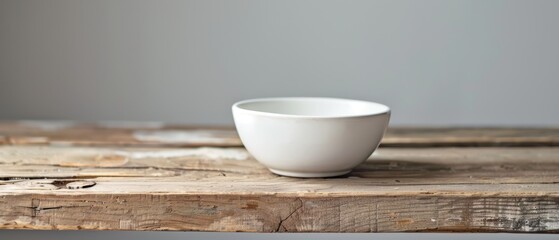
<point x="236" y="107"/>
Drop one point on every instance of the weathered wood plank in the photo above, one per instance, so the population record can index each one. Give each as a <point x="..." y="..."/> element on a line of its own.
<point x="279" y="214"/>
<point x="388" y="166"/>
<point x="114" y="134"/>
<point x="471" y="137"/>
<point x="158" y="134"/>
<point x="225" y="189"/>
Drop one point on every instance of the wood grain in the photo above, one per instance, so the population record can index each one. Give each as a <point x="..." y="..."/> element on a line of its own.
<point x="279" y="214"/>
<point x="162" y="135"/>
<point x="465" y="189"/>
<point x="471" y="137"/>
<point x="114" y="134"/>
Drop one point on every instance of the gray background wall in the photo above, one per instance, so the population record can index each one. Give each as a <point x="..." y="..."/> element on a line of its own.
<point x="434" y="62"/>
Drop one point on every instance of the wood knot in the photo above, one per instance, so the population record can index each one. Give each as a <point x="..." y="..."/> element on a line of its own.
<point x="80" y="184"/>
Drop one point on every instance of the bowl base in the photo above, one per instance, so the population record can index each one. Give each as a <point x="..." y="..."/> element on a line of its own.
<point x="309" y="174"/>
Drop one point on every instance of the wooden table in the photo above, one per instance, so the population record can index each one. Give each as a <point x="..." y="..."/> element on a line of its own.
<point x="115" y="176"/>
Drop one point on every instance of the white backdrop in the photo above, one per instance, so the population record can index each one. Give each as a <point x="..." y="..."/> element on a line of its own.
<point x="434" y="62"/>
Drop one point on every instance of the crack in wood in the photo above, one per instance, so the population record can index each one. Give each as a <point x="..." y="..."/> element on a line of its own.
<point x="280" y="224"/>
<point x="376" y="217"/>
<point x="177" y="170"/>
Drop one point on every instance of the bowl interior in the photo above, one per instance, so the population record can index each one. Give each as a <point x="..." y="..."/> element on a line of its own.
<point x="313" y="107"/>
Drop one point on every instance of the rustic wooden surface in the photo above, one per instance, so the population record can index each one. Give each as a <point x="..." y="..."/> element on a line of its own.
<point x="147" y="176"/>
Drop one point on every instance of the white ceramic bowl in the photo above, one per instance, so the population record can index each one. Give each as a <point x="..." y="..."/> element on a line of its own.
<point x="310" y="137"/>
